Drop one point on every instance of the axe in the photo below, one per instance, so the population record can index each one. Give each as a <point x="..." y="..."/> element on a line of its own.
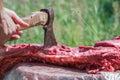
<point x="44" y="17"/>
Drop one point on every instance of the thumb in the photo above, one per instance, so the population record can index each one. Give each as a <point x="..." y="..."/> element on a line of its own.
<point x="19" y="21"/>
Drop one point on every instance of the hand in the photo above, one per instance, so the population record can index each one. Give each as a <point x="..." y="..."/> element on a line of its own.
<point x="19" y="23"/>
<point x="10" y="24"/>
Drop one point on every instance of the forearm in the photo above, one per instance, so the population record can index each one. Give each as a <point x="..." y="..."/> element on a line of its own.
<point x="1" y="4"/>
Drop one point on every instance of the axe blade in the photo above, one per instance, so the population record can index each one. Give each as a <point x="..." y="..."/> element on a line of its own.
<point x="49" y="37"/>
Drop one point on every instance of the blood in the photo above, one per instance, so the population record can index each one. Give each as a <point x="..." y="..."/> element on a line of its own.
<point x="103" y="56"/>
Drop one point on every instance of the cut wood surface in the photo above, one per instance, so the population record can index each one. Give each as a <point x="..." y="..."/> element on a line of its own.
<point x="33" y="71"/>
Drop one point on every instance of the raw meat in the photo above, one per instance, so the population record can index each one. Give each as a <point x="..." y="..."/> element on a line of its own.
<point x="103" y="56"/>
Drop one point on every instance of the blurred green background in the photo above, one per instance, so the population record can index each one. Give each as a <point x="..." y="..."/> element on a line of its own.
<point x="77" y="22"/>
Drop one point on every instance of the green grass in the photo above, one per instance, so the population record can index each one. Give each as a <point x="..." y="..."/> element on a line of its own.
<point x="77" y="22"/>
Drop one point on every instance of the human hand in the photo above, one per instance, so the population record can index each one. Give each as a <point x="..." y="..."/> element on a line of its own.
<point x="19" y="23"/>
<point x="10" y="25"/>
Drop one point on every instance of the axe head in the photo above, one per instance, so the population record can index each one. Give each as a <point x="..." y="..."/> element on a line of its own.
<point x="49" y="37"/>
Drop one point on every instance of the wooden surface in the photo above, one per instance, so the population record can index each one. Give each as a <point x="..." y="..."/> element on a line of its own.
<point x="49" y="72"/>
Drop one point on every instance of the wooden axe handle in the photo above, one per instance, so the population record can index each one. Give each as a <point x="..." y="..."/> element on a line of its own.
<point x="35" y="19"/>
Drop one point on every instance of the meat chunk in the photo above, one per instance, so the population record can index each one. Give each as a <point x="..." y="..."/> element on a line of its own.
<point x="103" y="56"/>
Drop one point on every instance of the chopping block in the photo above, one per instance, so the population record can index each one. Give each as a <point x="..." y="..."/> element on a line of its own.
<point x="35" y="71"/>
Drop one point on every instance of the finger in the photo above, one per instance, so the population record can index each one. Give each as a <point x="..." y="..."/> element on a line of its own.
<point x="20" y="33"/>
<point x="17" y="27"/>
<point x="19" y="21"/>
<point x="14" y="37"/>
<point x="18" y="30"/>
